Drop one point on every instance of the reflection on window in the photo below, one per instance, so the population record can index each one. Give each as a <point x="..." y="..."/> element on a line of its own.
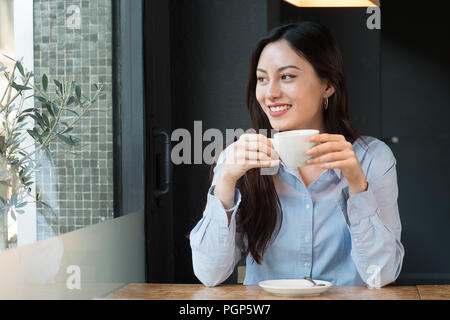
<point x="72" y="42"/>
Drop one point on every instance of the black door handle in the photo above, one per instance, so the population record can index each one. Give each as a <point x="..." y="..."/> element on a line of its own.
<point x="390" y="140"/>
<point x="166" y="163"/>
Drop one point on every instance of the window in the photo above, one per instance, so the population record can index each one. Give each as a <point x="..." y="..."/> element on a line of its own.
<point x="74" y="238"/>
<point x="72" y="41"/>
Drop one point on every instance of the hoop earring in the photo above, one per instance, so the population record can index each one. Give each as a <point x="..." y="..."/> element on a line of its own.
<point x="326" y="104"/>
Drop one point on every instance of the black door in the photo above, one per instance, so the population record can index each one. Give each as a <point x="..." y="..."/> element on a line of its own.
<point x="159" y="194"/>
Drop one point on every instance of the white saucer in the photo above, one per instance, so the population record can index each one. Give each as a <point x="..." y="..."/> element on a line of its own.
<point x="294" y="287"/>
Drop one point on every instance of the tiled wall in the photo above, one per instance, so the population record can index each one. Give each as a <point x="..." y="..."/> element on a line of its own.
<point x="79" y="186"/>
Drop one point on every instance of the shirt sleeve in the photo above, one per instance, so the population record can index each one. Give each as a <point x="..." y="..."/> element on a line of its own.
<point x="374" y="222"/>
<point x="216" y="246"/>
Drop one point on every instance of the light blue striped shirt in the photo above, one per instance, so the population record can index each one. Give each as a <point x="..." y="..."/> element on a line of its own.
<point x="325" y="234"/>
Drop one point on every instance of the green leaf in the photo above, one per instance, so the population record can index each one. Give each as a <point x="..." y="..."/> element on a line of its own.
<point x="32" y="134"/>
<point x="67" y="140"/>
<point x="59" y="85"/>
<point x="29" y="110"/>
<point x="23" y="125"/>
<point x="45" y="118"/>
<point x="37" y="117"/>
<point x="20" y="67"/>
<point x="14" y="147"/>
<point x="67" y="130"/>
<point x="26" y="179"/>
<point x="50" y="110"/>
<point x="78" y="92"/>
<point x="71" y="100"/>
<point x="19" y="87"/>
<point x="25" y="171"/>
<point x="44" y="82"/>
<point x="42" y="99"/>
<point x="45" y="133"/>
<point x="75" y="141"/>
<point x="21" y="205"/>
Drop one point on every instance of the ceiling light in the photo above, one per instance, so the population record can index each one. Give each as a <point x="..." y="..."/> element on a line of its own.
<point x="334" y="3"/>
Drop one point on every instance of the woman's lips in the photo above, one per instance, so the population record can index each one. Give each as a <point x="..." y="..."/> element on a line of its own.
<point x="274" y="113"/>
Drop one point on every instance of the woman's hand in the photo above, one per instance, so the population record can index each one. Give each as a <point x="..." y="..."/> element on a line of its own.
<point x="333" y="151"/>
<point x="250" y="151"/>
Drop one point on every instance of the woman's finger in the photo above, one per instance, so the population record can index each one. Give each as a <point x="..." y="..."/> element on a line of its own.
<point x="325" y="137"/>
<point x="332" y="156"/>
<point x="259" y="143"/>
<point x="329" y="147"/>
<point x="262" y="164"/>
<point x="241" y="157"/>
<point x="341" y="164"/>
<point x="257" y="155"/>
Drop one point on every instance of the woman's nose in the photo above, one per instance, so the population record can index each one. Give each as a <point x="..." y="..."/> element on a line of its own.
<point x="274" y="90"/>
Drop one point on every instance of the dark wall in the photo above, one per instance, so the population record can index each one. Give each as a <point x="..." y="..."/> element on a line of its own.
<point x="211" y="47"/>
<point x="416" y="109"/>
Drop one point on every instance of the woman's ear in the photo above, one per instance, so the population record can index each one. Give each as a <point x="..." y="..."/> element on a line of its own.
<point x="329" y="90"/>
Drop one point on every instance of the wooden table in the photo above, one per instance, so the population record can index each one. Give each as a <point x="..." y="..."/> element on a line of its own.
<point x="153" y="291"/>
<point x="434" y="292"/>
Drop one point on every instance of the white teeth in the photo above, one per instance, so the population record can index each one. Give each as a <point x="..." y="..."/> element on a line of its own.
<point x="280" y="108"/>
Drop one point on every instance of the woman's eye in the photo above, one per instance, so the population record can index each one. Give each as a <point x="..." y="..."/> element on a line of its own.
<point x="287" y="77"/>
<point x="260" y="79"/>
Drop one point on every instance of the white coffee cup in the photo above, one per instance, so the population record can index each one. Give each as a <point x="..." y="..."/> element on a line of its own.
<point x="292" y="145"/>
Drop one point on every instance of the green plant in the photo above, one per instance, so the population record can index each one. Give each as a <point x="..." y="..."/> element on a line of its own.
<point x="54" y="120"/>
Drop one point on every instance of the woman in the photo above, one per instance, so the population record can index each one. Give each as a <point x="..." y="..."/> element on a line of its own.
<point x="335" y="219"/>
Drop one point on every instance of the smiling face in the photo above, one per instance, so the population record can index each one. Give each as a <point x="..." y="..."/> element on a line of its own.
<point x="288" y="89"/>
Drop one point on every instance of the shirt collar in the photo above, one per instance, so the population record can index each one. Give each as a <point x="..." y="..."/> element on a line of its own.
<point x="338" y="173"/>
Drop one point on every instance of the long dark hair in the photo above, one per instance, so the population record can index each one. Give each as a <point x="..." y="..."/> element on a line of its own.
<point x="260" y="209"/>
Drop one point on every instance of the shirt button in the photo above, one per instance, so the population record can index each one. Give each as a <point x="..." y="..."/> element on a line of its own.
<point x="307" y="206"/>
<point x="306" y="265"/>
<point x="356" y="240"/>
<point x="306" y="238"/>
